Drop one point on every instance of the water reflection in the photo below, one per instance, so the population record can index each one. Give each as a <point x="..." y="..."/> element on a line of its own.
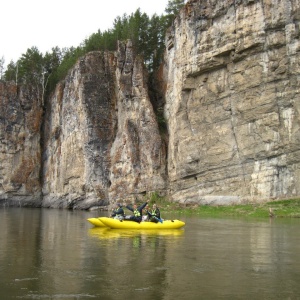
<point x="107" y="233"/>
<point x="135" y="260"/>
<point x="48" y="254"/>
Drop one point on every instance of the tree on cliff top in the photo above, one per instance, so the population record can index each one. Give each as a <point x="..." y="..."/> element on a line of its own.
<point x="147" y="34"/>
<point x="172" y="10"/>
<point x="2" y="61"/>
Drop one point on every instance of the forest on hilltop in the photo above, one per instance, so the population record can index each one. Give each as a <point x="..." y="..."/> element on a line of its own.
<point x="147" y="34"/>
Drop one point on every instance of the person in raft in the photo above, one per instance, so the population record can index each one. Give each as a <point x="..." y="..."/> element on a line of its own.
<point x="154" y="214"/>
<point x="145" y="216"/>
<point x="137" y="212"/>
<point x="118" y="212"/>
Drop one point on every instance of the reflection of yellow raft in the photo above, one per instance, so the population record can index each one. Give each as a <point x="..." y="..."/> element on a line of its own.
<point x="96" y="222"/>
<point x="117" y="224"/>
<point x="107" y="233"/>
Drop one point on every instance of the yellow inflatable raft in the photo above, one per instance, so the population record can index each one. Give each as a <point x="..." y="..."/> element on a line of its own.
<point x="96" y="222"/>
<point x="117" y="224"/>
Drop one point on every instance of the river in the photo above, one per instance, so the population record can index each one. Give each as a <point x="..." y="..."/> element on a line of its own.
<point x="57" y="254"/>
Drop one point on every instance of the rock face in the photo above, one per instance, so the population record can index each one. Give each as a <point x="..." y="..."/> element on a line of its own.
<point x="232" y="101"/>
<point x="101" y="138"/>
<point x="138" y="153"/>
<point x="20" y="155"/>
<point x="79" y="131"/>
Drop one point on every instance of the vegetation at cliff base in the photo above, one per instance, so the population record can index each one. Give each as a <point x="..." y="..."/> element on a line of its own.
<point x="280" y="209"/>
<point x="275" y="209"/>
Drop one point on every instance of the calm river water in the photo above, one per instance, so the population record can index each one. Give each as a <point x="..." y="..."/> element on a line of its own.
<point x="57" y="254"/>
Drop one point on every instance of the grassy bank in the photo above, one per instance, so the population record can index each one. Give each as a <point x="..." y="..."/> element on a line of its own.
<point x="280" y="209"/>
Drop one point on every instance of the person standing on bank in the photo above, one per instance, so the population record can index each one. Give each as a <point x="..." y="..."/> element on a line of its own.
<point x="118" y="213"/>
<point x="137" y="212"/>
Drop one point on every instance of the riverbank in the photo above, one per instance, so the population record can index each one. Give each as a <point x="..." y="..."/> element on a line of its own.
<point x="280" y="209"/>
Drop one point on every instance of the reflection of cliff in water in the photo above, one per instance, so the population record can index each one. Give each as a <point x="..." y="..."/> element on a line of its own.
<point x="21" y="238"/>
<point x="54" y="254"/>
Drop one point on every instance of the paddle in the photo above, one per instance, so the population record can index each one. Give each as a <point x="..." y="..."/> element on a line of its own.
<point x="158" y="219"/>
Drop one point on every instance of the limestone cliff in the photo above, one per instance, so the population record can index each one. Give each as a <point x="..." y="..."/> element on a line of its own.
<point x="232" y="101"/>
<point x="98" y="137"/>
<point x="79" y="129"/>
<point x="20" y="155"/>
<point x="138" y="153"/>
<point x="101" y="138"/>
<point x="231" y="85"/>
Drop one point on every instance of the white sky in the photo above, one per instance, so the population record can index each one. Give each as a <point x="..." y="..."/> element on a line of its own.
<point x="62" y="23"/>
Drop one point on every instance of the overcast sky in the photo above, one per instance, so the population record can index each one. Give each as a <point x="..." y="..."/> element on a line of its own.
<point x="62" y="23"/>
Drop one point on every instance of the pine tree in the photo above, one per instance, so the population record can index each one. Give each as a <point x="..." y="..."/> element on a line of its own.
<point x="2" y="62"/>
<point x="172" y="10"/>
<point x="147" y="35"/>
<point x="11" y="71"/>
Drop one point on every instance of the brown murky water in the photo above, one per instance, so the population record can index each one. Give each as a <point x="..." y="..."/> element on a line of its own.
<point x="56" y="254"/>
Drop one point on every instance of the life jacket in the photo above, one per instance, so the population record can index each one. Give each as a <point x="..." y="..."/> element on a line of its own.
<point x="118" y="214"/>
<point x="136" y="213"/>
